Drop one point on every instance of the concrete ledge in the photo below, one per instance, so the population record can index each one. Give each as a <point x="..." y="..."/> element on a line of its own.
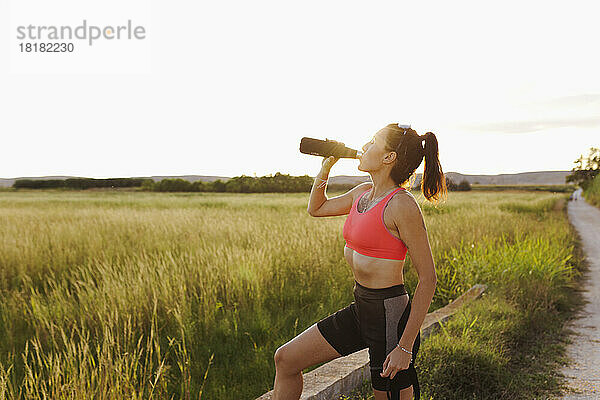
<point x="433" y="319"/>
<point x="344" y="374"/>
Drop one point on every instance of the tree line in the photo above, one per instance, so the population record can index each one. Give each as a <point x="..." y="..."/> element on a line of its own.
<point x="239" y="184"/>
<point x="584" y="175"/>
<point x="79" y="183"/>
<point x="278" y="183"/>
<point x="464" y="185"/>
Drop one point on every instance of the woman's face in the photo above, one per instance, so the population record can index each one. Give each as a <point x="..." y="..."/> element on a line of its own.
<point x="373" y="153"/>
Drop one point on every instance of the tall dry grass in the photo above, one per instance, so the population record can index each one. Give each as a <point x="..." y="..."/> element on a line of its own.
<point x="152" y="295"/>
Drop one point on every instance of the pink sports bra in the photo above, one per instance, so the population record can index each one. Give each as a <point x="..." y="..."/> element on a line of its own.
<point x="367" y="234"/>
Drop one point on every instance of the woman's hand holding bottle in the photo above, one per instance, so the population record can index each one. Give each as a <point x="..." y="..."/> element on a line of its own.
<point x="328" y="163"/>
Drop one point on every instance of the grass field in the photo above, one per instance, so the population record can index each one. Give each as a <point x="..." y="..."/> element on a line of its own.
<point x="592" y="193"/>
<point x="153" y="295"/>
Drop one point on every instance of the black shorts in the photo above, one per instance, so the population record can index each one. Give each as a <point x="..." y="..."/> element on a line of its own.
<point x="376" y="319"/>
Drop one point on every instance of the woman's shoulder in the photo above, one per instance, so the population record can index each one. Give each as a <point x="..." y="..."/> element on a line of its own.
<point x="404" y="201"/>
<point x="405" y="212"/>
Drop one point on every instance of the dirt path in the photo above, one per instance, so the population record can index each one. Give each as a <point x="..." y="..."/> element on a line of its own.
<point x="583" y="374"/>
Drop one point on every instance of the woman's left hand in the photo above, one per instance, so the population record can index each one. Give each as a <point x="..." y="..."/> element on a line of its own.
<point x="396" y="361"/>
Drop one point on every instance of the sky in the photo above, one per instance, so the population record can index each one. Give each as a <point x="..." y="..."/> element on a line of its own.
<point x="229" y="88"/>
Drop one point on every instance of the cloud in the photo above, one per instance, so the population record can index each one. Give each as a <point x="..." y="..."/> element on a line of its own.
<point x="578" y="100"/>
<point x="574" y="111"/>
<point x="526" y="126"/>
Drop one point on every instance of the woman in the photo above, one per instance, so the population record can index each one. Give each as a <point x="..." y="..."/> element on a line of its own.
<point x="384" y="223"/>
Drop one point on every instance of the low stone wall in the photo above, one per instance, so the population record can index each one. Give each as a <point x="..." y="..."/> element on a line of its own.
<point x="345" y="374"/>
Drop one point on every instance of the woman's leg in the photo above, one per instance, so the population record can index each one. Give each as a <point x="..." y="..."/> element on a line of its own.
<point x="405" y="394"/>
<point x="303" y="351"/>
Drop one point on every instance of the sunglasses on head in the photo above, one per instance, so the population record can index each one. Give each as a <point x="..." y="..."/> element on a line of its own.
<point x="405" y="127"/>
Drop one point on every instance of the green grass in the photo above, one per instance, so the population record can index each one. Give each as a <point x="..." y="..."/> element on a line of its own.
<point x="154" y="295"/>
<point x="592" y="192"/>
<point x="491" y="349"/>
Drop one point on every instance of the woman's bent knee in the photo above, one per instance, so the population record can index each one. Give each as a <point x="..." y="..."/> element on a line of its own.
<point x="307" y="349"/>
<point x="284" y="360"/>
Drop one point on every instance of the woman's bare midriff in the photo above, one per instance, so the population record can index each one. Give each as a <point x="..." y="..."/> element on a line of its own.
<point x="374" y="272"/>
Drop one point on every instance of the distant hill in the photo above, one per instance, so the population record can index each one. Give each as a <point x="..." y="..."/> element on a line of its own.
<point x="522" y="178"/>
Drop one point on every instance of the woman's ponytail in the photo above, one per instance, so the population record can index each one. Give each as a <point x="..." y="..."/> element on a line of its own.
<point x="433" y="184"/>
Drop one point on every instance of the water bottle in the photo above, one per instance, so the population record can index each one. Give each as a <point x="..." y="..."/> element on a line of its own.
<point x="327" y="147"/>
